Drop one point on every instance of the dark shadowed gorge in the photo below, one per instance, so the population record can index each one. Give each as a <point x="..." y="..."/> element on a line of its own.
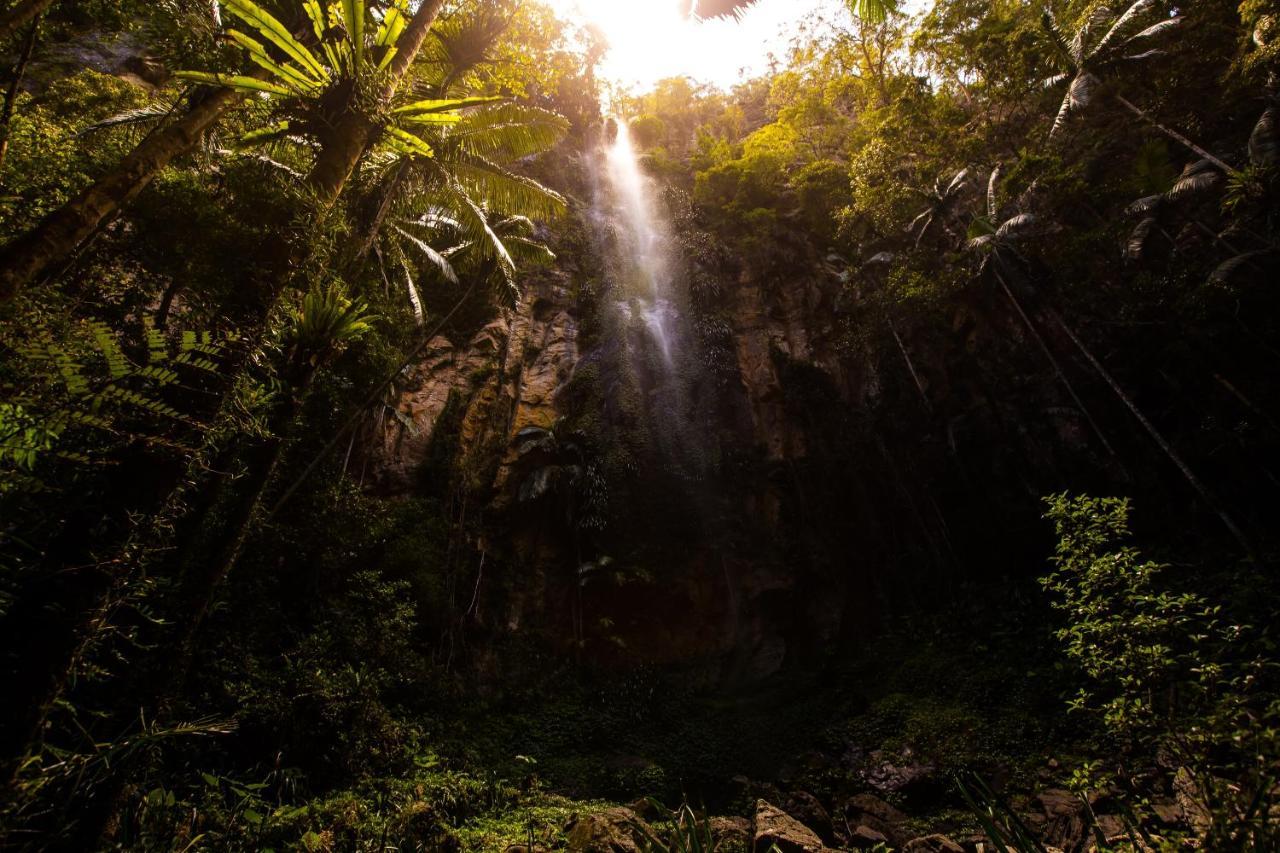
<point x="413" y="439"/>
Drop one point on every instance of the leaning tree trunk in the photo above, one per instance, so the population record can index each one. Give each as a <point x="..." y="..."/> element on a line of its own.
<point x="1206" y="495"/>
<point x="24" y="259"/>
<point x="1057" y="368"/>
<point x="12" y="20"/>
<point x="1175" y="136"/>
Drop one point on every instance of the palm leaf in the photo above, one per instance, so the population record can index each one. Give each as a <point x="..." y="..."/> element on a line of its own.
<point x="993" y="184"/>
<point x="1057" y="40"/>
<point x="432" y="119"/>
<point x="1155" y="29"/>
<point x="505" y="190"/>
<point x="441" y="105"/>
<point x="264" y="135"/>
<point x="287" y="74"/>
<point x="1264" y="141"/>
<point x="408" y="143"/>
<point x="1126" y="19"/>
<point x="353" y="12"/>
<point x="276" y="33"/>
<point x="1229" y="269"/>
<point x="509" y="131"/>
<point x="316" y="14"/>
<point x="1015" y="226"/>
<point x="150" y="114"/>
<point x="439" y="261"/>
<point x="235" y="81"/>
<point x="1078" y="96"/>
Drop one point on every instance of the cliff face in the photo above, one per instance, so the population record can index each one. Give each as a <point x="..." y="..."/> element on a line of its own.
<point x="738" y="475"/>
<point x="689" y="563"/>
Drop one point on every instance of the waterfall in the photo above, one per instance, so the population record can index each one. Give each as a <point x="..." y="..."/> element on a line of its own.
<point x="628" y="200"/>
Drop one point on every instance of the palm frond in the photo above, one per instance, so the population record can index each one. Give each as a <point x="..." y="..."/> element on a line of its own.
<point x="150" y="114"/>
<point x="873" y="11"/>
<point x="1078" y="96"/>
<point x="235" y="81"/>
<point x="1127" y="19"/>
<point x="277" y="33"/>
<point x="1264" y="141"/>
<point x="1197" y="178"/>
<point x="1260" y="260"/>
<point x="1139" y="240"/>
<point x="1016" y="226"/>
<point x="283" y="71"/>
<point x="501" y="189"/>
<point x="439" y="261"/>
<point x="509" y="131"/>
<point x="1057" y="40"/>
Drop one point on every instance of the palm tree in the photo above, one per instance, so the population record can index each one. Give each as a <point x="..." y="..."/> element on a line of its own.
<point x="320" y="327"/>
<point x="1002" y="257"/>
<point x="26" y="258"/>
<point x="998" y="244"/>
<point x="944" y="201"/>
<point x="1086" y="60"/>
<point x="313" y="91"/>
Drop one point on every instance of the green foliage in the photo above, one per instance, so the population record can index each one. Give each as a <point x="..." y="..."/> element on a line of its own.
<point x="1166" y="671"/>
<point x="109" y="396"/>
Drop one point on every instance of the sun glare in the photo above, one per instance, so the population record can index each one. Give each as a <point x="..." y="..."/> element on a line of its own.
<point x="650" y="40"/>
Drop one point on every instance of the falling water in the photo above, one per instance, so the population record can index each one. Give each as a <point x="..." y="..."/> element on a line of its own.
<point x="643" y="244"/>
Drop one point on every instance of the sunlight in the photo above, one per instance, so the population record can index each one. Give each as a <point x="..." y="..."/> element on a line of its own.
<point x="650" y="40"/>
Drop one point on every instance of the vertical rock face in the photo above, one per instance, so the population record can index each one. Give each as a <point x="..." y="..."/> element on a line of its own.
<point x="504" y="378"/>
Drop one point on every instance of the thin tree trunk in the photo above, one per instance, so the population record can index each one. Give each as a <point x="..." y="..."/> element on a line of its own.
<point x="12" y="20"/>
<point x="1210" y="499"/>
<point x="910" y="366"/>
<point x="1175" y="136"/>
<point x="1057" y="368"/>
<point x="11" y="95"/>
<point x="27" y="257"/>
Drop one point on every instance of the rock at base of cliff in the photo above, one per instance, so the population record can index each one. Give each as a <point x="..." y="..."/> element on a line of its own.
<point x="774" y="827"/>
<point x="616" y="830"/>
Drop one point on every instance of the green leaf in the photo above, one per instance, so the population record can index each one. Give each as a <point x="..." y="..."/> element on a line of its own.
<point x="234" y="81"/>
<point x="276" y="33"/>
<point x="437" y="106"/>
<point x="287" y="74"/>
<point x="407" y="143"/>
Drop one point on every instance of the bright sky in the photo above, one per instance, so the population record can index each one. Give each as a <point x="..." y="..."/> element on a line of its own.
<point x="649" y="40"/>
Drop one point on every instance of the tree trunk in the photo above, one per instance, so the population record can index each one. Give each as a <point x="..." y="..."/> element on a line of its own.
<point x="12" y="20"/>
<point x="1200" y="488"/>
<point x="27" y="257"/>
<point x="915" y="377"/>
<point x="1175" y="136"/>
<point x="1057" y="368"/>
<point x="11" y="95"/>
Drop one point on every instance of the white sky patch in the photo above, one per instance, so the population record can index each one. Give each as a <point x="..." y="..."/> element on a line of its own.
<point x="650" y="41"/>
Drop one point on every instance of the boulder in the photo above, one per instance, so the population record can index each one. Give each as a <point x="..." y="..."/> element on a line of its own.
<point x="774" y="827"/>
<point x="915" y="781"/>
<point x="865" y="838"/>
<point x="1064" y="824"/>
<point x="731" y="834"/>
<point x="932" y="844"/>
<point x="808" y="809"/>
<point x="616" y="830"/>
<point x="871" y="811"/>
